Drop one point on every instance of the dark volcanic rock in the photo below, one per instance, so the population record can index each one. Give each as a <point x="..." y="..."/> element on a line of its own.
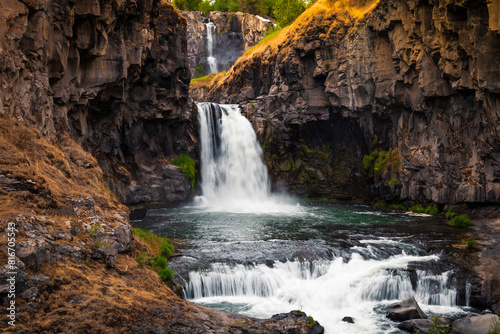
<point x="405" y="310"/>
<point x="111" y="73"/>
<point x="294" y="322"/>
<point x="349" y="320"/>
<point x="418" y="79"/>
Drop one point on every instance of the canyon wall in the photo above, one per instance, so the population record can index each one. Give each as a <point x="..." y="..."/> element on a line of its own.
<point x="235" y="33"/>
<point x="404" y="100"/>
<point x="111" y="73"/>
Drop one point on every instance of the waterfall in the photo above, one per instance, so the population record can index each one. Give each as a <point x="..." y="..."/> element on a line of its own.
<point x="328" y="290"/>
<point x="211" y="43"/>
<point x="233" y="175"/>
<point x="355" y="281"/>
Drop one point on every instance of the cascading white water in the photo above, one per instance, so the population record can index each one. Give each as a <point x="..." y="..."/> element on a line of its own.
<point x="328" y="290"/>
<point x="233" y="175"/>
<point x="211" y="42"/>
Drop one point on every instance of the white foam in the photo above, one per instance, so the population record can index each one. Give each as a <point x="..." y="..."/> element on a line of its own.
<point x="326" y="290"/>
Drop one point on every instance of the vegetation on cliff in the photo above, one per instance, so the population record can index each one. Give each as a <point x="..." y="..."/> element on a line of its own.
<point x="156" y="254"/>
<point x="187" y="166"/>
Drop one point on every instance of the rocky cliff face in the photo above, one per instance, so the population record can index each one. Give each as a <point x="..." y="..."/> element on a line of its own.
<point x="111" y="73"/>
<point x="405" y="99"/>
<point x="235" y="33"/>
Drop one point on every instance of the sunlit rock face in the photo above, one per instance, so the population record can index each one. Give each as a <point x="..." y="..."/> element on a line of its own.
<point x="111" y="73"/>
<point x="234" y="34"/>
<point x="418" y="79"/>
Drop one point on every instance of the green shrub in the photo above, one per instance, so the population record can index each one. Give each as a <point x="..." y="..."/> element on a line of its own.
<point x="397" y="207"/>
<point x="143" y="258"/>
<point x="472" y="244"/>
<point x="417" y="208"/>
<point x="369" y="159"/>
<point x="432" y="210"/>
<point x="159" y="261"/>
<point x="161" y="250"/>
<point x="199" y="71"/>
<point x="450" y="215"/>
<point x="461" y="221"/>
<point x="94" y="229"/>
<point x="166" y="274"/>
<point x="187" y="166"/>
<point x="159" y="245"/>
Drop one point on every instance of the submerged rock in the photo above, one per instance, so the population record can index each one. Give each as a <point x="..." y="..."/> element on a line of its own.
<point x="349" y="320"/>
<point x="406" y="310"/>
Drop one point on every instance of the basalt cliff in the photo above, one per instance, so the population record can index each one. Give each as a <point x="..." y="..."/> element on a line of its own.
<point x="114" y="76"/>
<point x="393" y="100"/>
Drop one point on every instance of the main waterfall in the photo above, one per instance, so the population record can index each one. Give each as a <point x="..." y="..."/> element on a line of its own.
<point x="233" y="175"/>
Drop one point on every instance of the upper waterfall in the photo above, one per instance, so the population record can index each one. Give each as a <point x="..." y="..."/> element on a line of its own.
<point x="233" y="175"/>
<point x="211" y="42"/>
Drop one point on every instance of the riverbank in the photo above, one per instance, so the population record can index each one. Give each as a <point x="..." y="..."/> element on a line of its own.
<point x="487" y="233"/>
<point x="89" y="295"/>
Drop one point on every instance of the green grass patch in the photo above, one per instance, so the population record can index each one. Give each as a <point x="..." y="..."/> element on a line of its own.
<point x="471" y="244"/>
<point x="432" y="210"/>
<point x="272" y="33"/>
<point x="450" y="214"/>
<point x="187" y="166"/>
<point x="462" y="221"/>
<point x="321" y="154"/>
<point x="400" y="207"/>
<point x="206" y="81"/>
<point x="378" y="163"/>
<point x="161" y="250"/>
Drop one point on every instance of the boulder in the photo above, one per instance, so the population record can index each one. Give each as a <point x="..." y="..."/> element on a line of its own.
<point x="294" y="322"/>
<point x="475" y="323"/>
<point x="405" y="310"/>
<point x="422" y="325"/>
<point x="32" y="252"/>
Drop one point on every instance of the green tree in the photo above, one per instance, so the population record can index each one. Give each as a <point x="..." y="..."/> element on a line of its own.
<point x="188" y="5"/>
<point x="226" y="5"/>
<point x="206" y="6"/>
<point x="286" y="11"/>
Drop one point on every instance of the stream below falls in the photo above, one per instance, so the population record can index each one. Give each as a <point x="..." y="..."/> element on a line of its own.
<point x="327" y="260"/>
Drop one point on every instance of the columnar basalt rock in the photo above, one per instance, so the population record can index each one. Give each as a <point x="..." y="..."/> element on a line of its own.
<point x="236" y="33"/>
<point x="418" y="80"/>
<point x="111" y="73"/>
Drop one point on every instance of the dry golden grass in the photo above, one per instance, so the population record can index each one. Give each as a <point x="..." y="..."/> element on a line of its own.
<point x="96" y="299"/>
<point x="45" y="173"/>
